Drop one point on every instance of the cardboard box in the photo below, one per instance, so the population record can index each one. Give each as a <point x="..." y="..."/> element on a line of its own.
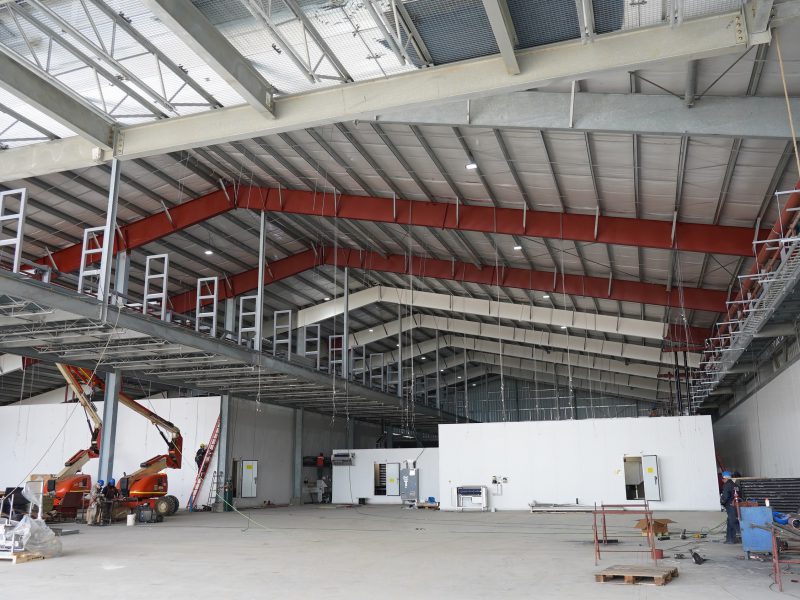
<point x="660" y="526"/>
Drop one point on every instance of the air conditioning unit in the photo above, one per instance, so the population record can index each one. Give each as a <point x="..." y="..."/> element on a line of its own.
<point x="343" y="459"/>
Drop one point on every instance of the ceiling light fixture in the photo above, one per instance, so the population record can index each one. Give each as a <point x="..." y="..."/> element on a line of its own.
<point x="563" y="327"/>
<point x="370" y="330"/>
<point x="326" y="298"/>
<point x="459" y="376"/>
<point x="546" y="297"/>
<point x="517" y="247"/>
<point x="209" y="252"/>
<point x="423" y="358"/>
<point x="471" y="166"/>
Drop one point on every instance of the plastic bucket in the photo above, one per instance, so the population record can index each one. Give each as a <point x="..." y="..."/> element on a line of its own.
<point x="131" y="520"/>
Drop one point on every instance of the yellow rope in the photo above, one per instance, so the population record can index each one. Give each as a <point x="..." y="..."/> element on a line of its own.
<point x="788" y="103"/>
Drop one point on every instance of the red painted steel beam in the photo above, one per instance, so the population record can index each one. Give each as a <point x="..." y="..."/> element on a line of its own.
<point x="594" y="287"/>
<point x="247" y="281"/>
<point x="152" y="228"/>
<point x="645" y="233"/>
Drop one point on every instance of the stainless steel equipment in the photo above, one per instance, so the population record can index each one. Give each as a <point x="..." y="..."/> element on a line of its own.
<point x="471" y="497"/>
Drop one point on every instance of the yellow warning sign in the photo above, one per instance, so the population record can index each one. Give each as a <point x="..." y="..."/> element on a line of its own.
<point x="651" y="470"/>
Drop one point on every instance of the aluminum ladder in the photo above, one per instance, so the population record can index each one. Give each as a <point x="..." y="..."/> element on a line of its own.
<point x="212" y="491"/>
<point x="203" y="470"/>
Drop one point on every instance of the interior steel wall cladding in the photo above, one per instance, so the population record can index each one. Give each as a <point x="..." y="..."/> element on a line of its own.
<point x="783" y="494"/>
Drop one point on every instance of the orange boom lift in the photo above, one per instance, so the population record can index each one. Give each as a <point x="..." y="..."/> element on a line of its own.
<point x="147" y="485"/>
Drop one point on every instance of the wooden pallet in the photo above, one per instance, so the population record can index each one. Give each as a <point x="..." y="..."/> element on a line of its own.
<point x="428" y="506"/>
<point x="20" y="557"/>
<point x="637" y="574"/>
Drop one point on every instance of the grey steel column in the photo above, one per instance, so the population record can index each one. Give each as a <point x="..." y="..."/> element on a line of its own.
<point x="346" y="326"/>
<point x="122" y="267"/>
<point x="108" y="439"/>
<point x="262" y="250"/>
<point x="399" y="351"/>
<point x="223" y="450"/>
<point x="230" y="317"/>
<point x="110" y="233"/>
<point x="297" y="458"/>
<point x="438" y="397"/>
<point x="466" y="386"/>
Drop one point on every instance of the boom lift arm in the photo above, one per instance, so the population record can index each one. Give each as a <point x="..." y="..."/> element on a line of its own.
<point x="170" y="460"/>
<point x="75" y="463"/>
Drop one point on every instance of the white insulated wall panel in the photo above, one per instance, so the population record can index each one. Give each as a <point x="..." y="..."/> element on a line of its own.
<point x="759" y="437"/>
<point x="561" y="461"/>
<point x="27" y="432"/>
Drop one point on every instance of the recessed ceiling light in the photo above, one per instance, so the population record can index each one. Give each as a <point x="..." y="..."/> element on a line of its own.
<point x="326" y="298"/>
<point x="471" y="166"/>
<point x="546" y="297"/>
<point x="209" y="252"/>
<point x="517" y="247"/>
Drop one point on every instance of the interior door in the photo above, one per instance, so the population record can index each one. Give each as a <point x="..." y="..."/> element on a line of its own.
<point x="392" y="479"/>
<point x="249" y="478"/>
<point x="652" y="485"/>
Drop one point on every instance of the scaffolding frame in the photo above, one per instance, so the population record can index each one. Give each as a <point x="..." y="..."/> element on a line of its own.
<point x="207" y="290"/>
<point x="15" y="220"/>
<point x="158" y="281"/>
<point x="282" y="332"/>
<point x="316" y="353"/>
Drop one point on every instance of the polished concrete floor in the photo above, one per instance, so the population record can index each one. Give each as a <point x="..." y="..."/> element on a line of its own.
<point x="377" y="552"/>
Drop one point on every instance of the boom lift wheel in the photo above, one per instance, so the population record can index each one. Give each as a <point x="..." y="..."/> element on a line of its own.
<point x="163" y="506"/>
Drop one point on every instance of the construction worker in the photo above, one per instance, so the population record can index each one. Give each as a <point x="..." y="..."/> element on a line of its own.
<point x="110" y="492"/>
<point x="320" y="465"/>
<point x="726" y="498"/>
<point x="94" y="513"/>
<point x="200" y="455"/>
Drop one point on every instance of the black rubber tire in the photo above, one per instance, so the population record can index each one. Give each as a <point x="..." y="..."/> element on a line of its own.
<point x="163" y="506"/>
<point x="174" y="504"/>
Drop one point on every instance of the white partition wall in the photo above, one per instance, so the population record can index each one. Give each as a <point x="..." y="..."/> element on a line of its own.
<point x="358" y="481"/>
<point x="51" y="433"/>
<point x="567" y="461"/>
<point x="759" y="437"/>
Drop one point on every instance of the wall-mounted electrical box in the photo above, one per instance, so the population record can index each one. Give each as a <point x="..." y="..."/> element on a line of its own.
<point x="409" y="484"/>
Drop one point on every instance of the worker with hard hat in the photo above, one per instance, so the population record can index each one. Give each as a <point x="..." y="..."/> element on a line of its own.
<point x="110" y="492"/>
<point x="94" y="514"/>
<point x="200" y="455"/>
<point x="727" y="499"/>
